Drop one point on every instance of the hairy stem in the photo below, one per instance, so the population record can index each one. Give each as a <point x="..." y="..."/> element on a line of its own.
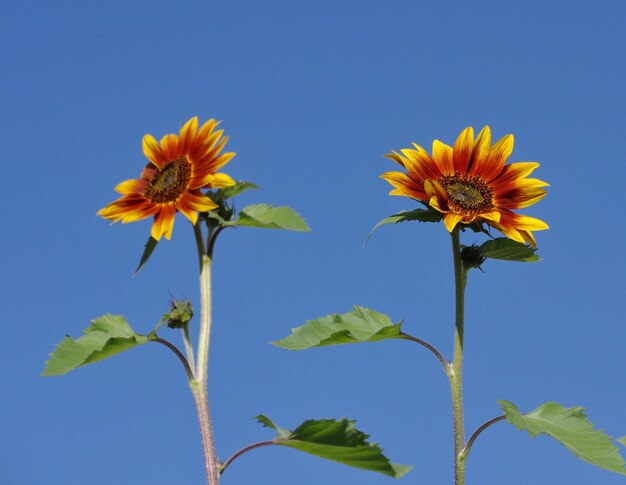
<point x="243" y="450"/>
<point x="199" y="387"/>
<point x="178" y="353"/>
<point x="470" y="442"/>
<point x="456" y="372"/>
<point x="440" y="358"/>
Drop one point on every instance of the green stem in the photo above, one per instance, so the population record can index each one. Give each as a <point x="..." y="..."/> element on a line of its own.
<point x="456" y="374"/>
<point x="188" y="346"/>
<point x="199" y="386"/>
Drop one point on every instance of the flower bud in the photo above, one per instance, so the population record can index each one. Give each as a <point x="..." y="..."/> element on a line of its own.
<point x="472" y="256"/>
<point x="180" y="314"/>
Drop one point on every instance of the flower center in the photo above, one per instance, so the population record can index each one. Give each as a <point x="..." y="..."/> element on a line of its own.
<point x="467" y="194"/>
<point x="169" y="182"/>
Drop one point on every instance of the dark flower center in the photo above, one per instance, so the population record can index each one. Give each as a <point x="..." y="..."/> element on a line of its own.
<point x="467" y="194"/>
<point x="169" y="182"/>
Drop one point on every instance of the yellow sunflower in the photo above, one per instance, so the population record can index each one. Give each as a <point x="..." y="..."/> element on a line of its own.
<point x="179" y="166"/>
<point x="471" y="183"/>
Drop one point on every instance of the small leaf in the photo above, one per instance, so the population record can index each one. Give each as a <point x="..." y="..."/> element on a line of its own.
<point x="147" y="252"/>
<point x="422" y="215"/>
<point x="238" y="188"/>
<point x="509" y="250"/>
<point x="358" y="325"/>
<point x="106" y="336"/>
<point x="339" y="441"/>
<point x="266" y="216"/>
<point x="572" y="428"/>
<point x="622" y="440"/>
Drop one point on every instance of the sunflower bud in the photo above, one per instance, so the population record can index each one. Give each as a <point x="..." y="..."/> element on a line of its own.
<point x="472" y="256"/>
<point x="180" y="314"/>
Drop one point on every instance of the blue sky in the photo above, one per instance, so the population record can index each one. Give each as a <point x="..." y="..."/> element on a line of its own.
<point x="312" y="94"/>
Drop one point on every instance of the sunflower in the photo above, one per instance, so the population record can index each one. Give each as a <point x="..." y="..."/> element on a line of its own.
<point x="178" y="167"/>
<point x="471" y="183"/>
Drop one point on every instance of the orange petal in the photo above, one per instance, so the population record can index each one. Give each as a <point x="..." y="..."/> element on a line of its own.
<point x="169" y="146"/>
<point x="463" y="149"/>
<point x="497" y="157"/>
<point x="131" y="186"/>
<point x="481" y="151"/>
<point x="444" y="157"/>
<point x="152" y="150"/>
<point x="187" y="134"/>
<point x="164" y="222"/>
<point x="196" y="200"/>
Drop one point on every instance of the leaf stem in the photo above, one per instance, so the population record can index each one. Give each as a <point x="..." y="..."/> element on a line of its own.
<point x="178" y="353"/>
<point x="243" y="450"/>
<point x="470" y="442"/>
<point x="442" y="360"/>
<point x="456" y="368"/>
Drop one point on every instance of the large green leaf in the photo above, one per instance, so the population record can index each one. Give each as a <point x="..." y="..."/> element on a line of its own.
<point x="106" y="336"/>
<point x="336" y="440"/>
<point x="269" y="217"/>
<point x="358" y="325"/>
<point x="572" y="429"/>
<point x="422" y="215"/>
<point x="509" y="250"/>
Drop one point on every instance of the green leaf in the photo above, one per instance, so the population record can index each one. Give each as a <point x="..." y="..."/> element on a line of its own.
<point x="106" y="336"/>
<point x="238" y="188"/>
<point x="358" y="325"/>
<point x="572" y="429"/>
<point x="622" y="440"/>
<point x="147" y="252"/>
<point x="266" y="216"/>
<point x="509" y="250"/>
<point x="422" y="215"/>
<point x="339" y="441"/>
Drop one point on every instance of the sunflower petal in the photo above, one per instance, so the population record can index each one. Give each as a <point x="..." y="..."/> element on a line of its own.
<point x="164" y="222"/>
<point x="451" y="219"/>
<point x="463" y="149"/>
<point x="152" y="150"/>
<point x="444" y="157"/>
<point x="498" y="155"/>
<point x="131" y="186"/>
<point x="481" y="151"/>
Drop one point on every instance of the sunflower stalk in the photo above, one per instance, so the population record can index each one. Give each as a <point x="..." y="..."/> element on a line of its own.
<point x="199" y="386"/>
<point x="456" y="374"/>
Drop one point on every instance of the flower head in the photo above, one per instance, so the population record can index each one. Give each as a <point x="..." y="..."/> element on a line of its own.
<point x="179" y="166"/>
<point x="471" y="183"/>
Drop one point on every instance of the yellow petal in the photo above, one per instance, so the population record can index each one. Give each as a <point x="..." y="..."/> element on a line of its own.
<point x="152" y="150"/>
<point x="451" y="220"/>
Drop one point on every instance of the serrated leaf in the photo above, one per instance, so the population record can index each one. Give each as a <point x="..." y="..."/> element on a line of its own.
<point x="106" y="336"/>
<point x="572" y="428"/>
<point x="422" y="215"/>
<point x="147" y="252"/>
<point x="238" y="188"/>
<point x="358" y="325"/>
<point x="269" y="217"/>
<point x="338" y="441"/>
<point x="509" y="250"/>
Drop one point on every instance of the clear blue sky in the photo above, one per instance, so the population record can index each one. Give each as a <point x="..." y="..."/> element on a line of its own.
<point x="312" y="94"/>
